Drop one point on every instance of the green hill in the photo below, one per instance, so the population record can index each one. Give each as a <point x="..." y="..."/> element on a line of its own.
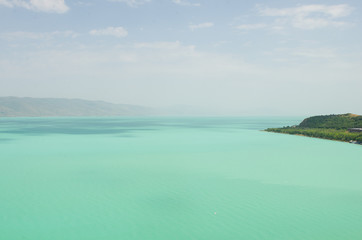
<point x="333" y="127"/>
<point x="341" y="121"/>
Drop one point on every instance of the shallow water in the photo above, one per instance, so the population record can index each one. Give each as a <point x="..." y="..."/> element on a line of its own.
<point x="175" y="178"/>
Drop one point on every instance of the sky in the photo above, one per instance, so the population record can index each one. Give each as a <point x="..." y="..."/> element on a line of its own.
<point x="232" y="57"/>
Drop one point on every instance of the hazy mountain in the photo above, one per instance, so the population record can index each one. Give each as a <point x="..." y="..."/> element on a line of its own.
<point x="41" y="107"/>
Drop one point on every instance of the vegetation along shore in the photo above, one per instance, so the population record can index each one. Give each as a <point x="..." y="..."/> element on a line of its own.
<point x="341" y="127"/>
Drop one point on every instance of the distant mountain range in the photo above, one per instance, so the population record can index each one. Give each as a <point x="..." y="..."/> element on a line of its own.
<point x="61" y="107"/>
<point x="48" y="107"/>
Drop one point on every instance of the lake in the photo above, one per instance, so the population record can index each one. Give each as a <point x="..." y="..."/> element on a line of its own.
<point x="175" y="178"/>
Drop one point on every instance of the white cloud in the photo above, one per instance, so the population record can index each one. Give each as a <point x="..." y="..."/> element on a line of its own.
<point x="6" y="3"/>
<point x="164" y="51"/>
<point x="186" y="3"/>
<point x="37" y="35"/>
<point x="201" y="25"/>
<point x="56" y="6"/>
<point x="314" y="23"/>
<point x="334" y="11"/>
<point x="324" y="53"/>
<point x="132" y="3"/>
<point x="305" y="55"/>
<point x="309" y="16"/>
<point x="251" y="26"/>
<point x="159" y="45"/>
<point x="110" y="31"/>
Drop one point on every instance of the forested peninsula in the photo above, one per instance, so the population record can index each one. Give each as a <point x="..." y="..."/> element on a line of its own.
<point x="340" y="127"/>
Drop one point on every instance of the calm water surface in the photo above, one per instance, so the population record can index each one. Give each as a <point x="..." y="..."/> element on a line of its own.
<point x="175" y="178"/>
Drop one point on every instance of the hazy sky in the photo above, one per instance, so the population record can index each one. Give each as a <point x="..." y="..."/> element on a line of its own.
<point x="240" y="57"/>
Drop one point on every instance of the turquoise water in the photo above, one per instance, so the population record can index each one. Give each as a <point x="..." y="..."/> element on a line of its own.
<point x="175" y="178"/>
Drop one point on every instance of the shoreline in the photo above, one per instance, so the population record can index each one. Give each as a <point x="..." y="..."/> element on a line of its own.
<point x="303" y="135"/>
